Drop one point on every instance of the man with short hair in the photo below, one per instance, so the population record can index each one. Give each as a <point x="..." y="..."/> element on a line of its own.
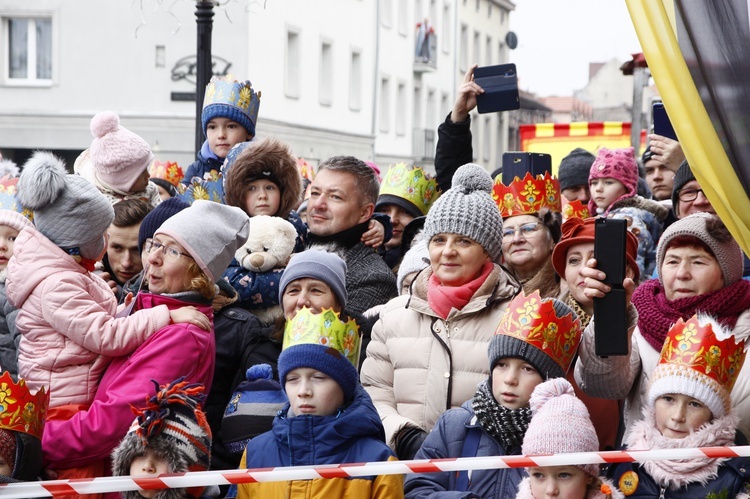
<point x="342" y="201"/>
<point x="659" y="177"/>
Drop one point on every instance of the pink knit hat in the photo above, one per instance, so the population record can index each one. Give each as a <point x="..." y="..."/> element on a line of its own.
<point x="14" y="219"/>
<point x="560" y="423"/>
<point x="618" y="164"/>
<point x="119" y="156"/>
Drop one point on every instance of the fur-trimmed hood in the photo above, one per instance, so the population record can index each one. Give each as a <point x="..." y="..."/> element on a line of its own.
<point x="266" y="157"/>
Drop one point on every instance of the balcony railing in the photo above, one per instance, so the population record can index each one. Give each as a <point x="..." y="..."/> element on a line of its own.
<point x="425" y="54"/>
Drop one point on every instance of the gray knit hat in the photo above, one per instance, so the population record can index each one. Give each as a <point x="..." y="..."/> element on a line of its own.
<point x="317" y="264"/>
<point x="68" y="209"/>
<point x="211" y="232"/>
<point x="574" y="168"/>
<point x="683" y="176"/>
<point x="706" y="227"/>
<point x="416" y="259"/>
<point x="467" y="208"/>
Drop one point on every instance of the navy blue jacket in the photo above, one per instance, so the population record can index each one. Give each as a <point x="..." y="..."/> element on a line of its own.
<point x="206" y="162"/>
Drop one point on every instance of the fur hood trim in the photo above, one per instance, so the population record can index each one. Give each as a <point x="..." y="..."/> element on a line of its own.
<point x="656" y="208"/>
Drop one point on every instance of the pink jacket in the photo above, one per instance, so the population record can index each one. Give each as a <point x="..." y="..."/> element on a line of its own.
<point x="174" y="351"/>
<point x="69" y="332"/>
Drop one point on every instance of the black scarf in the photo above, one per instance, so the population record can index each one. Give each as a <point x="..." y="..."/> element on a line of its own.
<point x="347" y="238"/>
<point x="506" y="426"/>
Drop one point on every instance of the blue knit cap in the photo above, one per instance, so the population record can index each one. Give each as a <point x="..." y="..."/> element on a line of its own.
<point x="228" y="98"/>
<point x="317" y="264"/>
<point x="327" y="360"/>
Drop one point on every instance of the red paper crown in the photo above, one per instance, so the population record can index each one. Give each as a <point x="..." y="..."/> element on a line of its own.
<point x="527" y="196"/>
<point x="575" y="209"/>
<point x="534" y="321"/>
<point x="167" y="170"/>
<point x="695" y="346"/>
<point x="19" y="409"/>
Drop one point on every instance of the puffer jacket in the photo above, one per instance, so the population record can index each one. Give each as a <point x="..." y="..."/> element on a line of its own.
<point x="8" y="332"/>
<point x="419" y="365"/>
<point x="354" y="435"/>
<point x="67" y="322"/>
<point x="447" y="440"/>
<point x="176" y="350"/>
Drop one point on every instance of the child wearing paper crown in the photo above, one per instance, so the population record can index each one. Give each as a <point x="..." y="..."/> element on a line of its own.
<point x="536" y="340"/>
<point x="68" y="324"/>
<point x="230" y="111"/>
<point x="689" y="406"/>
<point x="560" y="424"/>
<point x="613" y="182"/>
<point x="22" y="416"/>
<point x="329" y="418"/>
<point x="169" y="435"/>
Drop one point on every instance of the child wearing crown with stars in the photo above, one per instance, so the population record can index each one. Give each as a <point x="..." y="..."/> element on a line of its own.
<point x="329" y="419"/>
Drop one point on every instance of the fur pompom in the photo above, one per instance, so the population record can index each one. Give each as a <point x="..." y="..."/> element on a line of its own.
<point x="472" y="177"/>
<point x="41" y="181"/>
<point x="551" y="388"/>
<point x="104" y="123"/>
<point x="8" y="167"/>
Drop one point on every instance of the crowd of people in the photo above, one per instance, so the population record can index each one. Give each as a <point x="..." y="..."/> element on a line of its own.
<point x="418" y="317"/>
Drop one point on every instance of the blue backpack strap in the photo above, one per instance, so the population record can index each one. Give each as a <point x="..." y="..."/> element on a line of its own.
<point x="470" y="448"/>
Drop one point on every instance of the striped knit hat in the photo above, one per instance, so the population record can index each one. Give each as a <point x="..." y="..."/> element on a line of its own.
<point x="174" y="428"/>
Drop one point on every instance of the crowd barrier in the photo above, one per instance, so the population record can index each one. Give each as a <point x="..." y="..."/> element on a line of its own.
<point x="52" y="488"/>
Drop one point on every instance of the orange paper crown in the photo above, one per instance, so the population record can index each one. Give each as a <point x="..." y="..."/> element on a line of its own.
<point x="167" y="170"/>
<point x="530" y="319"/>
<point x="575" y="209"/>
<point x="527" y="196"/>
<point x="19" y="409"/>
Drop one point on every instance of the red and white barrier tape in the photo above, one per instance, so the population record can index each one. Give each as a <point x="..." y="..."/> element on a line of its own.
<point x="226" y="477"/>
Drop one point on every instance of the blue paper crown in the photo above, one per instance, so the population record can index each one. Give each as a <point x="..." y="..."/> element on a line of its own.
<point x="228" y="98"/>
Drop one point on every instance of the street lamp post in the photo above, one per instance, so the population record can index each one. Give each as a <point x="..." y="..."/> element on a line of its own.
<point x="204" y="14"/>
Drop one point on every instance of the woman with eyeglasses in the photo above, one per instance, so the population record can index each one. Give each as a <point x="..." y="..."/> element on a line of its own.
<point x="184" y="260"/>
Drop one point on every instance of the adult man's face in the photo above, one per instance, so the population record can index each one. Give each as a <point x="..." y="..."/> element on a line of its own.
<point x="122" y="252"/>
<point x="335" y="203"/>
<point x="660" y="179"/>
<point x="577" y="192"/>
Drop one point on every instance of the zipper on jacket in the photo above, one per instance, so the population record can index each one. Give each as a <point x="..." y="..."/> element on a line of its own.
<point x="450" y="359"/>
<point x="661" y="494"/>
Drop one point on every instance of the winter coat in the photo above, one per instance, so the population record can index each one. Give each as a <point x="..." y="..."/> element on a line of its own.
<point x="524" y="490"/>
<point x="369" y="280"/>
<point x="206" y="163"/>
<point x="175" y="350"/>
<point x="628" y="377"/>
<point x="419" y="365"/>
<point x="354" y="435"/>
<point x="8" y="332"/>
<point x="446" y="440"/>
<point x="453" y="150"/>
<point x="69" y="332"/>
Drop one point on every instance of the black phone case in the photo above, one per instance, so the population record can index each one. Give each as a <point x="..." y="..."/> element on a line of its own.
<point x="517" y="163"/>
<point x="662" y="125"/>
<point x="500" y="85"/>
<point x="610" y="312"/>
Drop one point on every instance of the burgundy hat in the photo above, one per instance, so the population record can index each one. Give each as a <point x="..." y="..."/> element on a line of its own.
<point x="577" y="231"/>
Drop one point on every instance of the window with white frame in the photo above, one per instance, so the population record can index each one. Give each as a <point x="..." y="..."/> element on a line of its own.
<point x="488" y="51"/>
<point x="403" y="18"/>
<point x="355" y="81"/>
<point x="445" y="35"/>
<point x="325" y="90"/>
<point x="385" y="104"/>
<point x="29" y="42"/>
<point x="486" y="146"/>
<point x="292" y="74"/>
<point x="475" y="138"/>
<point x="445" y="105"/>
<point x="430" y="119"/>
<point x="417" y="117"/>
<point x="386" y="13"/>
<point x="401" y="108"/>
<point x="475" y="49"/>
<point x="463" y="61"/>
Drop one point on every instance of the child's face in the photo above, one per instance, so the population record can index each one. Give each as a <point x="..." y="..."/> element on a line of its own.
<point x="262" y="197"/>
<point x="148" y="465"/>
<point x="564" y="482"/>
<point x="223" y="134"/>
<point x="141" y="182"/>
<point x="313" y="392"/>
<point x="604" y="191"/>
<point x="5" y="469"/>
<point x="8" y="237"/>
<point x="513" y="381"/>
<point x="677" y="415"/>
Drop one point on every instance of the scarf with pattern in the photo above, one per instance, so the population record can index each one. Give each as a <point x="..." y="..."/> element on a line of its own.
<point x="506" y="426"/>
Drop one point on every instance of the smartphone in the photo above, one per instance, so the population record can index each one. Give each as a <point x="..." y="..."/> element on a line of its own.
<point x="518" y="163"/>
<point x="500" y="85"/>
<point x="662" y="125"/>
<point x="610" y="312"/>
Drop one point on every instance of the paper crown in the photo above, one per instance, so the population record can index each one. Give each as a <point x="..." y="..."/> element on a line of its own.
<point x="527" y="196"/>
<point x="209" y="188"/>
<point x="707" y="362"/>
<point x="235" y="94"/>
<point x="326" y="329"/>
<point x="166" y="170"/>
<point x="412" y="185"/>
<point x="20" y="410"/>
<point x="575" y="209"/>
<point x="8" y="199"/>
<point x="530" y="319"/>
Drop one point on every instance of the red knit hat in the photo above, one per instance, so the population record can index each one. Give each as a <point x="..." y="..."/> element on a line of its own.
<point x="618" y="164"/>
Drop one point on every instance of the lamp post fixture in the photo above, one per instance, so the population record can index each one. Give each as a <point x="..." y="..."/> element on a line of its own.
<point x="204" y="14"/>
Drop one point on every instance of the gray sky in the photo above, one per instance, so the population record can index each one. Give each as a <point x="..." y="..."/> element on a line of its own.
<point x="558" y="38"/>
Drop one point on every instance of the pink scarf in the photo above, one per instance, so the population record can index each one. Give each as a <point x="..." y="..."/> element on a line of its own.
<point x="657" y="314"/>
<point x="442" y="299"/>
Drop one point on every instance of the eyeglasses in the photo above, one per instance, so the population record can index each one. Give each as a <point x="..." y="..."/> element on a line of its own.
<point x="169" y="252"/>
<point x="526" y="230"/>
<point x="687" y="195"/>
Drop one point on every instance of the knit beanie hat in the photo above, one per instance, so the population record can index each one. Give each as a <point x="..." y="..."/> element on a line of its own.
<point x="467" y="209"/>
<point x="706" y="227"/>
<point x="157" y="217"/>
<point x="619" y="164"/>
<point x="560" y="423"/>
<point x="317" y="264"/>
<point x="211" y="232"/>
<point x="8" y="447"/>
<point x="416" y="259"/>
<point x="119" y="156"/>
<point x="683" y="176"/>
<point x="68" y="209"/>
<point x="574" y="168"/>
<point x="228" y="98"/>
<point x="173" y="426"/>
<point x="251" y="410"/>
<point x="327" y="360"/>
<point x="14" y="219"/>
<point x="543" y="332"/>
